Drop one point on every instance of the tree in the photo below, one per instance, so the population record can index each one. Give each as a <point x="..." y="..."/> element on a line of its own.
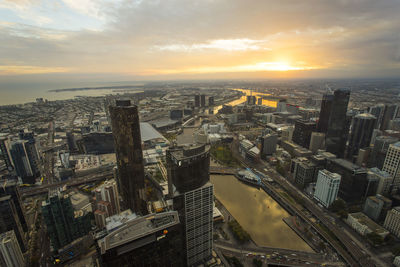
<point x="338" y="205"/>
<point x="257" y="262"/>
<point x="343" y="214"/>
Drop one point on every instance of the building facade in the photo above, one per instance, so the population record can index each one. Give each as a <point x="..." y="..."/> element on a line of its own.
<point x="9" y="220"/>
<point x="302" y="132"/>
<point x="327" y="187"/>
<point x="128" y="147"/>
<point x="325" y="113"/>
<point x="192" y="193"/>
<point x="392" y="221"/>
<point x="10" y="252"/>
<point x="392" y="164"/>
<point x="361" y="133"/>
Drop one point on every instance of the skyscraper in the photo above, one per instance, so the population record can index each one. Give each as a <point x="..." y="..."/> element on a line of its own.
<point x="392" y="164"/>
<point x="377" y="111"/>
<point x="4" y="152"/>
<point x="327" y="187"/>
<point x="361" y="133"/>
<point x="10" y="252"/>
<point x="325" y="113"/>
<point x="379" y="150"/>
<point x="202" y="100"/>
<point x="338" y="125"/>
<point x="389" y="114"/>
<point x="25" y="161"/>
<point x="192" y="193"/>
<point x="197" y="101"/>
<point x="302" y="132"/>
<point x="9" y="220"/>
<point x="63" y="225"/>
<point x="108" y="192"/>
<point x="128" y="148"/>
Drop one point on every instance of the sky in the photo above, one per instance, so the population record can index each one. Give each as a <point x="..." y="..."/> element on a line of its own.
<point x="55" y="41"/>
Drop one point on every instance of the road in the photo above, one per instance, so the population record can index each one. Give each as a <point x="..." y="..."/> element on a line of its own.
<point x="343" y="245"/>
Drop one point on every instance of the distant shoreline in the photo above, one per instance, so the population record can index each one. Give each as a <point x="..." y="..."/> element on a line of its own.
<point x="94" y="88"/>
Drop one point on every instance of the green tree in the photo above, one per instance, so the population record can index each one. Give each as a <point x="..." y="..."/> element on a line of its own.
<point x="338" y="205"/>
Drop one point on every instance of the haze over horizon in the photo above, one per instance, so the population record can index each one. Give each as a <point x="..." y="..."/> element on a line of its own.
<point x="46" y="41"/>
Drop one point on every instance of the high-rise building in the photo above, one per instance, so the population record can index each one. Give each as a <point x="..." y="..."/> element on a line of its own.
<point x="361" y="133"/>
<point x="392" y="221"/>
<point x="302" y="132"/>
<point x="63" y="223"/>
<point x="5" y="152"/>
<point x="392" y="164"/>
<point x="10" y="187"/>
<point x="354" y="184"/>
<point x="25" y="161"/>
<point x="108" y="192"/>
<point x="31" y="151"/>
<point x="338" y="125"/>
<point x="384" y="181"/>
<point x="269" y="143"/>
<point x="325" y="113"/>
<point x="304" y="171"/>
<point x="9" y="220"/>
<point x="317" y="142"/>
<point x="211" y="101"/>
<point x="197" y="101"/>
<point x="202" y="100"/>
<point x="389" y="114"/>
<point x="192" y="193"/>
<point x="281" y="106"/>
<point x="327" y="187"/>
<point x="377" y="111"/>
<point x="151" y="240"/>
<point x="376" y="207"/>
<point x="10" y="252"/>
<point x="379" y="150"/>
<point x="128" y="148"/>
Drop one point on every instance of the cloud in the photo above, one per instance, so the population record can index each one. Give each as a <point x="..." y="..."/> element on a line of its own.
<point x="18" y="70"/>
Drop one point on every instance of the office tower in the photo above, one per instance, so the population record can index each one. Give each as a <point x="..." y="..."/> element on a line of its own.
<point x="24" y="161"/>
<point x="325" y="113"/>
<point x="192" y="193"/>
<point x="392" y="164"/>
<point x="251" y="100"/>
<point x="304" y="171"/>
<point x="377" y="111"/>
<point x="269" y="143"/>
<point x="392" y="221"/>
<point x="302" y="132"/>
<point x="361" y="133"/>
<point x="63" y="223"/>
<point x="9" y="220"/>
<point x="281" y="106"/>
<point x="31" y="151"/>
<point x="259" y="101"/>
<point x="151" y="240"/>
<point x="108" y="192"/>
<point x="389" y="114"/>
<point x="100" y="218"/>
<point x="128" y="148"/>
<point x="376" y="207"/>
<point x="202" y="100"/>
<point x="327" y="187"/>
<point x="10" y="187"/>
<point x="338" y="125"/>
<point x="317" y="142"/>
<point x="71" y="141"/>
<point x="354" y="185"/>
<point x="211" y="101"/>
<point x="10" y="252"/>
<point x="384" y="181"/>
<point x="197" y="101"/>
<point x="394" y="124"/>
<point x="379" y="150"/>
<point x="5" y="153"/>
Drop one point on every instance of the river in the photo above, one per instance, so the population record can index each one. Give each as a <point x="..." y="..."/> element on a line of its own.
<point x="257" y="213"/>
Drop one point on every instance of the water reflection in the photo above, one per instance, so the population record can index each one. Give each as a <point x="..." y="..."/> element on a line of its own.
<point x="265" y="102"/>
<point x="257" y="212"/>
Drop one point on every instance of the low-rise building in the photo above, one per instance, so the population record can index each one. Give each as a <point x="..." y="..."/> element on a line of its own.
<point x="364" y="225"/>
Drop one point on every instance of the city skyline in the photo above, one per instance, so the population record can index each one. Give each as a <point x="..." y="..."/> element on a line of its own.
<point x="102" y="40"/>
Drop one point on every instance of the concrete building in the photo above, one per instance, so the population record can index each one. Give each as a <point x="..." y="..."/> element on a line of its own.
<point x="108" y="192"/>
<point x="389" y="114"/>
<point x="317" y="142"/>
<point x="384" y="183"/>
<point x="197" y="101"/>
<point x="192" y="193"/>
<point x="327" y="187"/>
<point x="392" y="164"/>
<point x="379" y="150"/>
<point x="376" y="207"/>
<point x="377" y="111"/>
<point x="128" y="147"/>
<point x="10" y="252"/>
<point x="304" y="171"/>
<point x="361" y="133"/>
<point x="5" y="152"/>
<point x="202" y="100"/>
<point x="392" y="221"/>
<point x="364" y="225"/>
<point x="302" y="132"/>
<point x="151" y="240"/>
<point x="9" y="221"/>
